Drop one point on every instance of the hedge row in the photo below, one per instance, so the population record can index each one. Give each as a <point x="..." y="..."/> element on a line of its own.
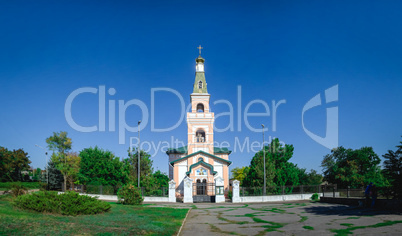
<point x="28" y="185"/>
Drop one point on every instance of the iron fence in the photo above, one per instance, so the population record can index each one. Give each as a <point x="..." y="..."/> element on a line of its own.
<point x="112" y="190"/>
<point x="280" y="190"/>
<point x="382" y="192"/>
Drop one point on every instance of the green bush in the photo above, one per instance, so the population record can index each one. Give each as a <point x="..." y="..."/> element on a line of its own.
<point x="314" y="197"/>
<point x="69" y="203"/>
<point x="129" y="195"/>
<point x="17" y="189"/>
<point x="28" y="185"/>
<point x="43" y="186"/>
<point x="230" y="194"/>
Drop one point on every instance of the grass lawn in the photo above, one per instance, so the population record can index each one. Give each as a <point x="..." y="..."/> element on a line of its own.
<point x="122" y="220"/>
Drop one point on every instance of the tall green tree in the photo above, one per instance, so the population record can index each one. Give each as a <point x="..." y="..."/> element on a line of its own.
<point x="131" y="166"/>
<point x="279" y="171"/>
<point x="161" y="179"/>
<point x="37" y="174"/>
<point x="101" y="167"/>
<point x="393" y="170"/>
<point x="12" y="163"/>
<point x="68" y="164"/>
<point x="55" y="176"/>
<point x="240" y="173"/>
<point x="353" y="168"/>
<point x="309" y="178"/>
<point x="60" y="144"/>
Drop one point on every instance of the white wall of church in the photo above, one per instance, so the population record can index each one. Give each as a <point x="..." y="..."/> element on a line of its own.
<point x="219" y="169"/>
<point x="182" y="173"/>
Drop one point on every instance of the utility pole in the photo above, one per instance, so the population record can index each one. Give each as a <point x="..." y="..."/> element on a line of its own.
<point x="139" y="154"/>
<point x="263" y="149"/>
<point x="46" y="167"/>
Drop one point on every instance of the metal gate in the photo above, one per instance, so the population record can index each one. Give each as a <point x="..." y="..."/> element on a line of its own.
<point x="203" y="192"/>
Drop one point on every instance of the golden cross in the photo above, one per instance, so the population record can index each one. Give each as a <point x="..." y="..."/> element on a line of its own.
<point x="199" y="48"/>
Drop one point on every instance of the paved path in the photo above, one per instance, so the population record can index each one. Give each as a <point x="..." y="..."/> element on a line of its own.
<point x="296" y="218"/>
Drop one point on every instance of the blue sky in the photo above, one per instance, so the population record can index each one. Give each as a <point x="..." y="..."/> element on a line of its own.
<point x="274" y="50"/>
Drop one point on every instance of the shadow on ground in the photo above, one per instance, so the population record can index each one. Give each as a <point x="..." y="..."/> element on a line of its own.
<point x="343" y="210"/>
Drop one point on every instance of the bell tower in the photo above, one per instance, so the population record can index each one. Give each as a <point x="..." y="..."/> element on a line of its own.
<point x="200" y="121"/>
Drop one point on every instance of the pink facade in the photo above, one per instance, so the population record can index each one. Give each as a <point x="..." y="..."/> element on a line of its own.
<point x="199" y="160"/>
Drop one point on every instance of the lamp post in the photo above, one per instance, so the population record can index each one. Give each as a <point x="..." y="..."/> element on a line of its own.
<point x="47" y="171"/>
<point x="139" y="154"/>
<point x="263" y="149"/>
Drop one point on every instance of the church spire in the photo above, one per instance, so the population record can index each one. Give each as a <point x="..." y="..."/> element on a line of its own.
<point x="200" y="85"/>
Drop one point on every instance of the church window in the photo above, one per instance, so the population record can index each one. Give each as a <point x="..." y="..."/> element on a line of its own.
<point x="200" y="136"/>
<point x="200" y="107"/>
<point x="200" y="84"/>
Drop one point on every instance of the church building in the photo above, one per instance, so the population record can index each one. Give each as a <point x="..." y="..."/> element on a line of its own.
<point x="200" y="161"/>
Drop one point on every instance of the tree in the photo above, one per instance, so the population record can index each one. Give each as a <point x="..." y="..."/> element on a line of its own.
<point x="131" y="167"/>
<point x="55" y="176"/>
<point x="353" y="168"/>
<point x="309" y="178"/>
<point x="101" y="167"/>
<point x="12" y="163"/>
<point x="240" y="173"/>
<point x="60" y="144"/>
<point x="393" y="170"/>
<point x="161" y="179"/>
<point x="279" y="171"/>
<point x="68" y="164"/>
<point x="37" y="174"/>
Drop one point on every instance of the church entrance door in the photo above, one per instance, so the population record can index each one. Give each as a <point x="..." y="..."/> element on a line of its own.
<point x="203" y="191"/>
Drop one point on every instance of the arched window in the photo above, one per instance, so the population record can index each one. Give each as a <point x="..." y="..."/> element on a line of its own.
<point x="200" y="84"/>
<point x="200" y="107"/>
<point x="200" y="136"/>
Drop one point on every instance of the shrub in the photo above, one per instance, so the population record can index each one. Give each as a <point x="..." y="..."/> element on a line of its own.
<point x="230" y="194"/>
<point x="17" y="189"/>
<point x="129" y="195"/>
<point x="43" y="186"/>
<point x="28" y="185"/>
<point x="314" y="197"/>
<point x="69" y="203"/>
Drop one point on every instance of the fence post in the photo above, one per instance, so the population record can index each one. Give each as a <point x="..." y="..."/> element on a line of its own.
<point x="82" y="188"/>
<point x="188" y="190"/>
<point x="347" y="192"/>
<point x="283" y="190"/>
<point x="301" y="189"/>
<point x="333" y="190"/>
<point x="172" y="191"/>
<point x="101" y="189"/>
<point x="236" y="192"/>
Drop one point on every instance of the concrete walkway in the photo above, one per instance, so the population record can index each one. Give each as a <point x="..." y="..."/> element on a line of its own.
<point x="296" y="218"/>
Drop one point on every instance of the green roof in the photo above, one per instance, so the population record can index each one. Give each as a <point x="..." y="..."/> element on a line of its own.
<point x="201" y="161"/>
<point x="200" y="76"/>
<point x="195" y="153"/>
<point x="218" y="150"/>
<point x="180" y="150"/>
<point x="183" y="150"/>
